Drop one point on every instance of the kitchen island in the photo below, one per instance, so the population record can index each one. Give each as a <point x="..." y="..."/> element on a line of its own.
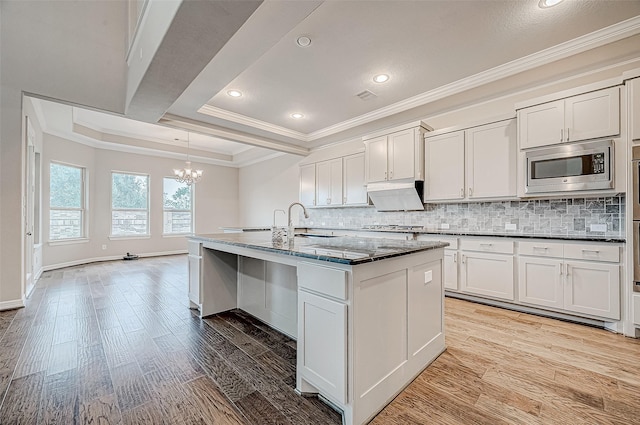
<point x="367" y="314"/>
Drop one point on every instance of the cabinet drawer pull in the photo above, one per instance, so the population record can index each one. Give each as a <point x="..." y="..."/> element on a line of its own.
<point x="595" y="251"/>
<point x="486" y="244"/>
<point x="541" y="247"/>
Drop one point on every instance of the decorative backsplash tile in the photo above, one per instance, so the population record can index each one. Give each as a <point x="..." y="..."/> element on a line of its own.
<point x="545" y="217"/>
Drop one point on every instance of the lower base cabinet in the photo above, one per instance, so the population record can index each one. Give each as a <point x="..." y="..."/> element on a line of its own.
<point x="450" y="270"/>
<point x="195" y="270"/>
<point x="486" y="268"/>
<point x="549" y="279"/>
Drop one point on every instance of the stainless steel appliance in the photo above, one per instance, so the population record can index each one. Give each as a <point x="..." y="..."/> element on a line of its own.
<point x="635" y="199"/>
<point x="573" y="167"/>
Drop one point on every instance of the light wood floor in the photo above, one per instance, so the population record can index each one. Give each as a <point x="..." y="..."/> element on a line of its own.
<point x="114" y="343"/>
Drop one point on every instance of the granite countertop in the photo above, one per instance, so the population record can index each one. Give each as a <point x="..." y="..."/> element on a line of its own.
<point x="423" y="231"/>
<point x="339" y="249"/>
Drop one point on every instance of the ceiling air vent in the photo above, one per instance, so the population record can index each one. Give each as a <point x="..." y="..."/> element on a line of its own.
<point x="366" y="95"/>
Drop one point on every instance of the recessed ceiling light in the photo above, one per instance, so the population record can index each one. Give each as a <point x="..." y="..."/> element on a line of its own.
<point x="297" y="115"/>
<point x="381" y="78"/>
<point x="544" y="4"/>
<point x="234" y="93"/>
<point x="303" y="41"/>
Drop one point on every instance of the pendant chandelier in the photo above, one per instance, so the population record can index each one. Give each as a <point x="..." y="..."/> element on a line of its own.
<point x="187" y="174"/>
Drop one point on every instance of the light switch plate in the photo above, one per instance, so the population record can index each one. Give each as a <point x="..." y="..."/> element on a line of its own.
<point x="444" y="226"/>
<point x="598" y="227"/>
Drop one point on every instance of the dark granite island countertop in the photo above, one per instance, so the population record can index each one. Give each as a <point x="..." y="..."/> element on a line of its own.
<point x="350" y="250"/>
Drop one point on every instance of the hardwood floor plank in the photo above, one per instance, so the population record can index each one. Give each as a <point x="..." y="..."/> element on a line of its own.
<point x="130" y="386"/>
<point x="60" y="401"/>
<point x="94" y="378"/>
<point x="63" y="357"/>
<point x="211" y="405"/>
<point x="22" y="400"/>
<point x="259" y="411"/>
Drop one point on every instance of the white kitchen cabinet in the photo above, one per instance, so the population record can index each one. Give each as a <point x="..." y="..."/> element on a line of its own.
<point x="486" y="267"/>
<point x="477" y="163"/>
<point x="308" y="184"/>
<point x="329" y="182"/>
<point x="541" y="281"/>
<point x="398" y="155"/>
<point x="322" y="329"/>
<point x="592" y="288"/>
<point x="587" y="116"/>
<point x="633" y="87"/>
<point x="575" y="277"/>
<point x="354" y="185"/>
<point x="636" y="309"/>
<point x="194" y="259"/>
<point x="444" y="167"/>
<point x="492" y="160"/>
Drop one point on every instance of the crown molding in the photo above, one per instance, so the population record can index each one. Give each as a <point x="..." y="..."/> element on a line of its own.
<point x="252" y="122"/>
<point x="598" y="38"/>
<point x="234" y="136"/>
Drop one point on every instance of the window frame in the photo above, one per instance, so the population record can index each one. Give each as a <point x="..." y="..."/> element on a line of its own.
<point x="148" y="214"/>
<point x="84" y="206"/>
<point x="191" y="211"/>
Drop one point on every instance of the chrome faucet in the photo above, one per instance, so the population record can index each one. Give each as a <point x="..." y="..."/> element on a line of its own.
<point x="290" y="222"/>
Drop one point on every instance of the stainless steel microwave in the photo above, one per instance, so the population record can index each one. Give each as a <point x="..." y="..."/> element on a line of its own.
<point x="566" y="168"/>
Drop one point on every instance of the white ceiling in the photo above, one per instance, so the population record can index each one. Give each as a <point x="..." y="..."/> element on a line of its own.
<point x="426" y="47"/>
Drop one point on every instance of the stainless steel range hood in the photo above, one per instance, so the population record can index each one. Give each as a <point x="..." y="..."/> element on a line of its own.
<point x="397" y="196"/>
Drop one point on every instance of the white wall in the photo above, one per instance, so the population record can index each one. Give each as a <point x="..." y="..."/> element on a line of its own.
<point x="37" y="56"/>
<point x="215" y="201"/>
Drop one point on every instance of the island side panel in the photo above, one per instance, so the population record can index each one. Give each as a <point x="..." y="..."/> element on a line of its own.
<point x="396" y="328"/>
<point x="219" y="287"/>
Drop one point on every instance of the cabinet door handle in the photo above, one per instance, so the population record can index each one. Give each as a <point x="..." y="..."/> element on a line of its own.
<point x="344" y="200"/>
<point x="470" y="191"/>
<point x="560" y="269"/>
<point x="385" y="175"/>
<point x="390" y="174"/>
<point x="463" y="258"/>
<point x="462" y="192"/>
<point x="567" y="134"/>
<point x="328" y="201"/>
<point x="562" y="135"/>
<point x="455" y="257"/>
<point x="568" y="270"/>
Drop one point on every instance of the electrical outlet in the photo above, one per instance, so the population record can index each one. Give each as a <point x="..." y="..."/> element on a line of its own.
<point x="598" y="227"/>
<point x="444" y="226"/>
<point x="428" y="276"/>
<point x="104" y="246"/>
<point x="510" y="226"/>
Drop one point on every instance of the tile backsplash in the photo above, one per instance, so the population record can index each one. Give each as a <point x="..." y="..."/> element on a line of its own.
<point x="545" y="217"/>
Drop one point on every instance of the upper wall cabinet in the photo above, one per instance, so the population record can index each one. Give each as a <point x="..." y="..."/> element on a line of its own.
<point x="586" y="116"/>
<point x="472" y="164"/>
<point x="308" y="185"/>
<point x="396" y="155"/>
<point x="335" y="182"/>
<point x="634" y="109"/>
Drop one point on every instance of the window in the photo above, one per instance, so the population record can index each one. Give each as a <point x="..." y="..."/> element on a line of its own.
<point x="177" y="216"/>
<point x="129" y="204"/>
<point x="66" y="202"/>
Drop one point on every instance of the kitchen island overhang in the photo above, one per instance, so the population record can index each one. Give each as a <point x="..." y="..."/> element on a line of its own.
<point x="367" y="313"/>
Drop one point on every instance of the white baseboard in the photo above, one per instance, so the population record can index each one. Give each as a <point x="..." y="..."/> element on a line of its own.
<point x="38" y="274"/>
<point x="109" y="258"/>
<point x="10" y="305"/>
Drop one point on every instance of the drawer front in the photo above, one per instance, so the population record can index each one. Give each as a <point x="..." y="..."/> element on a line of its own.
<point x="323" y="280"/>
<point x="541" y="249"/>
<point x="195" y="247"/>
<point x="636" y="309"/>
<point x="487" y="245"/>
<point x="593" y="252"/>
